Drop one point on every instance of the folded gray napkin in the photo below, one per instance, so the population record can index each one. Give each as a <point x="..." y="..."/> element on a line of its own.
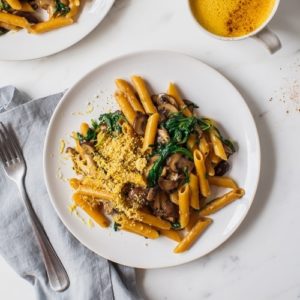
<point x="92" y="277"/>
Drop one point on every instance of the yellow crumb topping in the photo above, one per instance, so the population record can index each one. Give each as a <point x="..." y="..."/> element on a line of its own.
<point x="117" y="160"/>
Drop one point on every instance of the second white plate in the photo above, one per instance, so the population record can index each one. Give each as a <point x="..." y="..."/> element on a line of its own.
<point x="216" y="98"/>
<point x="23" y="46"/>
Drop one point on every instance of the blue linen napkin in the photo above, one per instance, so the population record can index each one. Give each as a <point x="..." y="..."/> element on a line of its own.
<point x="91" y="276"/>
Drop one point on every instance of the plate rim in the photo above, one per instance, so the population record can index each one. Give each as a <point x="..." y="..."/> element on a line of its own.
<point x="128" y="55"/>
<point x="110" y="4"/>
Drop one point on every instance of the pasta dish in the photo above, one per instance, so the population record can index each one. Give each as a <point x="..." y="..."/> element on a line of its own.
<point x="23" y="14"/>
<point x="149" y="168"/>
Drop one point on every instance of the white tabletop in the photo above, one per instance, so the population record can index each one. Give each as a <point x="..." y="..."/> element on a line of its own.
<point x="261" y="260"/>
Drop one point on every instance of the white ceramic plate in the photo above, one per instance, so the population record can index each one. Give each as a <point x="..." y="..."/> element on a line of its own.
<point x="216" y="98"/>
<point x="23" y="46"/>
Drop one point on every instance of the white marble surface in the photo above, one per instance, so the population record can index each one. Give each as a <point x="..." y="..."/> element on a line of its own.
<point x="261" y="260"/>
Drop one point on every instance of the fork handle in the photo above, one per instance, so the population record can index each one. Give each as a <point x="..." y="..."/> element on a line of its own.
<point x="57" y="275"/>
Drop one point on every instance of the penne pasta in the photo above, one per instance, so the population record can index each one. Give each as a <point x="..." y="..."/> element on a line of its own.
<point x="194" y="191"/>
<point x="204" y="146"/>
<point x="50" y="25"/>
<point x="184" y="204"/>
<point x="94" y="212"/>
<point x="173" y="91"/>
<point x="126" y="88"/>
<point x="194" y="217"/>
<point x="217" y="144"/>
<point x="171" y="234"/>
<point x="14" y="20"/>
<point x="201" y="172"/>
<point x="15" y="4"/>
<point x="140" y="87"/>
<point x="150" y="132"/>
<point x="95" y="193"/>
<point x="174" y="197"/>
<point x="152" y="220"/>
<point x="193" y="235"/>
<point x="209" y="166"/>
<point x="74" y="183"/>
<point x="192" y="142"/>
<point x="84" y="128"/>
<point x="125" y="107"/>
<point x="137" y="227"/>
<point x="220" y="202"/>
<point x="26" y="7"/>
<point x="223" y="181"/>
<point x="215" y="159"/>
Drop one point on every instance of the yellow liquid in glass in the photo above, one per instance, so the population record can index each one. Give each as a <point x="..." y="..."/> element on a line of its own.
<point x="231" y="18"/>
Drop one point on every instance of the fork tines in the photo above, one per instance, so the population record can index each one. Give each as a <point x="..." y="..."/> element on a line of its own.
<point x="9" y="149"/>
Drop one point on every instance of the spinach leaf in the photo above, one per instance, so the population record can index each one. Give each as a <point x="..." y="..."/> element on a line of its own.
<point x="61" y="8"/>
<point x="116" y="226"/>
<point x="4" y="6"/>
<point x="164" y="151"/>
<point x="111" y="120"/>
<point x="180" y="127"/>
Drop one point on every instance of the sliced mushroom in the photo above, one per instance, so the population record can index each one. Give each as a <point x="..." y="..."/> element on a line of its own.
<point x="163" y="207"/>
<point x="221" y="168"/>
<point x="87" y="148"/>
<point x="150" y="164"/>
<point x="28" y="16"/>
<point x="163" y="99"/>
<point x="162" y="136"/>
<point x="190" y="105"/>
<point x="167" y="184"/>
<point x="198" y="130"/>
<point x="71" y="151"/>
<point x="177" y="163"/>
<point x="134" y="195"/>
<point x="139" y="123"/>
<point x="152" y="193"/>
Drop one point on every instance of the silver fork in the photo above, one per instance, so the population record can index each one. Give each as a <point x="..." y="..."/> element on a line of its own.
<point x="15" y="168"/>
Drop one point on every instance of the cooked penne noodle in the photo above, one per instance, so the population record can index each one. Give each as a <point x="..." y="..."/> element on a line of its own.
<point x="94" y="212"/>
<point x="50" y="25"/>
<point x="194" y="191"/>
<point x="194" y="217"/>
<point x="137" y="228"/>
<point x="125" y="107"/>
<point x="171" y="234"/>
<point x="204" y="146"/>
<point x="184" y="204"/>
<point x="74" y="10"/>
<point x="193" y="235"/>
<point x="173" y="91"/>
<point x="150" y="132"/>
<point x="220" y="202"/>
<point x="174" y="197"/>
<point x="14" y="20"/>
<point x="215" y="159"/>
<point x="95" y="193"/>
<point x="15" y="4"/>
<point x="223" y="181"/>
<point x="153" y="221"/>
<point x="201" y="172"/>
<point x="84" y="128"/>
<point x="8" y="26"/>
<point x="217" y="144"/>
<point x="126" y="88"/>
<point x="209" y="166"/>
<point x="74" y="183"/>
<point x="192" y="142"/>
<point x="26" y="7"/>
<point x="140" y="86"/>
